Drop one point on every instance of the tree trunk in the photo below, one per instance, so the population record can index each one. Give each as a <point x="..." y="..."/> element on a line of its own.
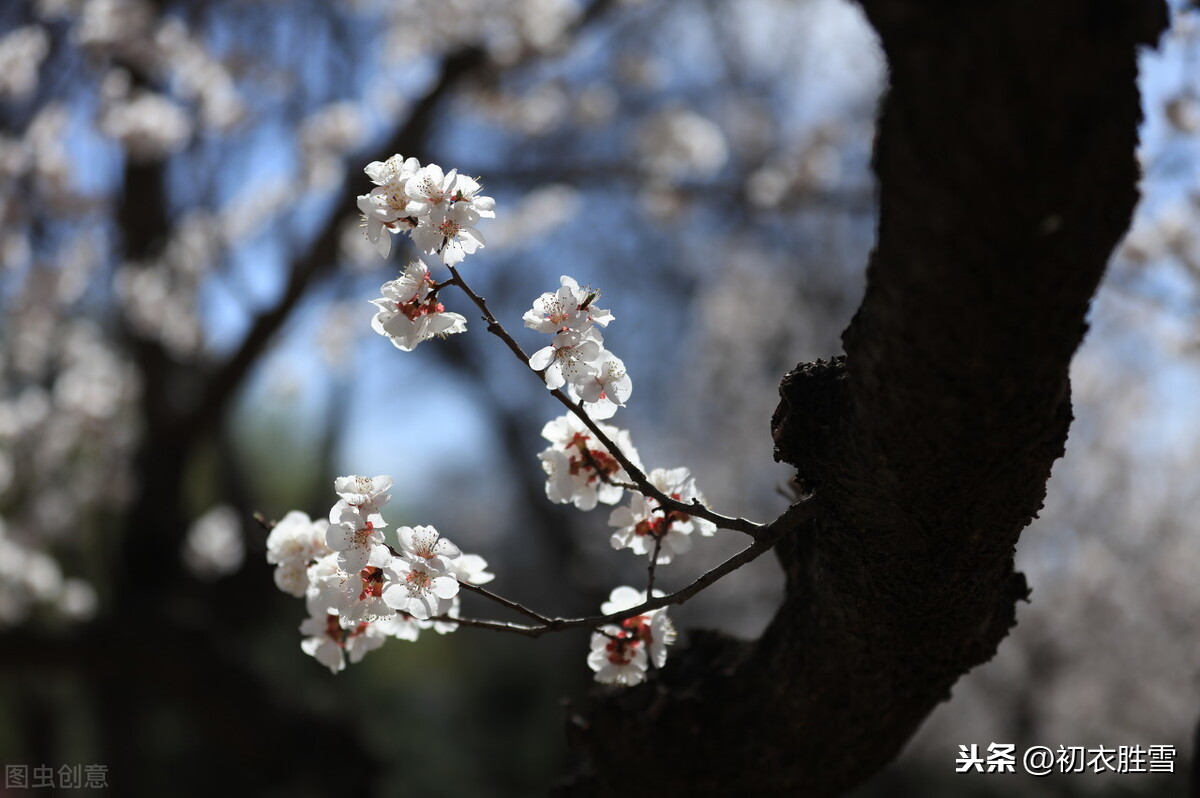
<point x="1005" y="158"/>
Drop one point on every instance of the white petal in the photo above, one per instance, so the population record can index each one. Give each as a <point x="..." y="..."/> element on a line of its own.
<point x="445" y="587"/>
<point x="541" y="359"/>
<point x="383" y="244"/>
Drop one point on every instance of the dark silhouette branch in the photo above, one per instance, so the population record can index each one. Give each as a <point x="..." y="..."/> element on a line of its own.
<point x="788" y="522"/>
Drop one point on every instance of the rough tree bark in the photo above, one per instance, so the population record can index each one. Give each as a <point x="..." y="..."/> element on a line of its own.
<point x="1006" y="168"/>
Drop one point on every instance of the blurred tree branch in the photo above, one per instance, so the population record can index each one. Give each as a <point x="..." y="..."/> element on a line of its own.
<point x="321" y="255"/>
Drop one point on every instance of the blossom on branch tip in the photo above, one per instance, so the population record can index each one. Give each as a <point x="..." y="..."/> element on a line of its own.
<point x="438" y="209"/>
<point x="576" y="357"/>
<point x="364" y="491"/>
<point x="358" y="591"/>
<point x="620" y="659"/>
<point x="409" y="312"/>
<point x="568" y="308"/>
<point x="621" y="654"/>
<point x="396" y="169"/>
<point x="658" y="633"/>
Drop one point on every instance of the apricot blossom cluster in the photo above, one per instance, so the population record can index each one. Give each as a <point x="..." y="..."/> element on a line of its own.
<point x="362" y="585"/>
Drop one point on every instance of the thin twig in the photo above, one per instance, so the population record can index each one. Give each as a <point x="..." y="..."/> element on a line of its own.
<point x="771" y="533"/>
<point x="658" y="539"/>
<point x="512" y="605"/>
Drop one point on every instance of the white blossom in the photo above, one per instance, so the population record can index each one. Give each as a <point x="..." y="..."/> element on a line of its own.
<point x="570" y="358"/>
<point x="620" y="659"/>
<point x="581" y="470"/>
<point x="355" y="597"/>
<point x="374" y="211"/>
<point x="475" y="205"/>
<point x="401" y="626"/>
<point x="323" y="581"/>
<point x="354" y="538"/>
<point x="361" y="639"/>
<point x="448" y="231"/>
<point x="396" y="169"/>
<point x="329" y="640"/>
<point x="419" y="588"/>
<point x="443" y="627"/>
<point x="576" y="357"/>
<point x="430" y="189"/>
<point x="660" y="632"/>
<point x="324" y="640"/>
<point x="621" y="653"/>
<point x="364" y="492"/>
<point x="409" y="313"/>
<point x="294" y="543"/>
<point x="425" y="543"/>
<point x="387" y="205"/>
<point x="438" y="208"/>
<point x="471" y="569"/>
<point x="569" y="308"/>
<point x="644" y="527"/>
<point x="607" y="390"/>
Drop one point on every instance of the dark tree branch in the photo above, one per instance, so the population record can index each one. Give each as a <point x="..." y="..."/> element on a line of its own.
<point x="1005" y="157"/>
<point x="787" y="523"/>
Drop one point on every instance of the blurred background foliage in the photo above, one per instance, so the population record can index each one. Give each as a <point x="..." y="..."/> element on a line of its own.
<point x="185" y="341"/>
